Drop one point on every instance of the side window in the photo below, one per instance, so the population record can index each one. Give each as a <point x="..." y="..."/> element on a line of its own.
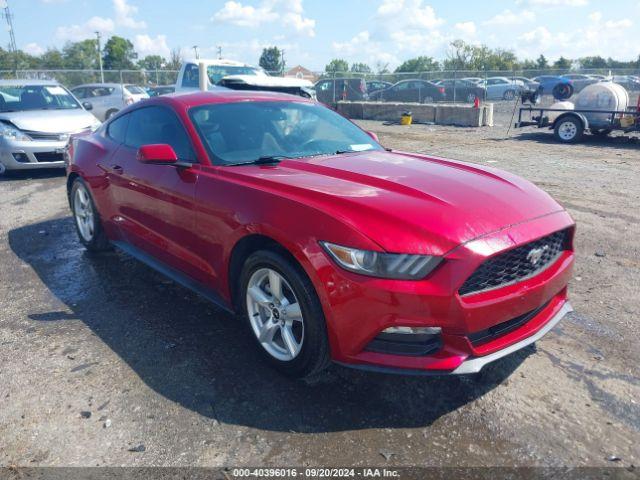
<point x="324" y="86"/>
<point x="117" y="129"/>
<point x="153" y="125"/>
<point x="190" y="77"/>
<point x="79" y="92"/>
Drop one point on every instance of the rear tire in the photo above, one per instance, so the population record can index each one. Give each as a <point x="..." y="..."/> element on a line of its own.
<point x="86" y="218"/>
<point x="291" y="339"/>
<point x="569" y="130"/>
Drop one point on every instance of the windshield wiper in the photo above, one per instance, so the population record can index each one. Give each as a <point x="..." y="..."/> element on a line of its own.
<point x="266" y="160"/>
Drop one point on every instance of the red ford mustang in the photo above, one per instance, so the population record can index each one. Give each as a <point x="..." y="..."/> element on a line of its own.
<point x="328" y="246"/>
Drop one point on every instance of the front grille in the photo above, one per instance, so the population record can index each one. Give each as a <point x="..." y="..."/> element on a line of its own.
<point x="47" y="157"/>
<point x="517" y="264"/>
<point x="53" y="137"/>
<point x="484" y="336"/>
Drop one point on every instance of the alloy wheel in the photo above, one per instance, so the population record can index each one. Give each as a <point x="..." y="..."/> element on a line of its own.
<point x="83" y="212"/>
<point x="275" y="314"/>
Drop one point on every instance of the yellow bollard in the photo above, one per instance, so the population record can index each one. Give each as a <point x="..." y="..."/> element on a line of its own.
<point x="406" y="118"/>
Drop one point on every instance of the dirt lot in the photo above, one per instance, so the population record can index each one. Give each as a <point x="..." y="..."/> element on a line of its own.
<point x="99" y="354"/>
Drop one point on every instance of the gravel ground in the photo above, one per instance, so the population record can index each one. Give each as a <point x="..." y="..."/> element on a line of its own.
<point x="105" y="362"/>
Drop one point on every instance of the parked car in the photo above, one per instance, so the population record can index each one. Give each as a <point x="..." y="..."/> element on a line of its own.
<point x="238" y="76"/>
<point x="377" y="85"/>
<point x="461" y="90"/>
<point x="602" y="78"/>
<point x="476" y="80"/>
<point x="579" y="80"/>
<point x="330" y="90"/>
<point x="502" y="88"/>
<point x="419" y="91"/>
<point x="160" y="90"/>
<point x="528" y="83"/>
<point x="109" y="98"/>
<point x="549" y="82"/>
<point x="36" y="120"/>
<point x="630" y="82"/>
<point x="327" y="246"/>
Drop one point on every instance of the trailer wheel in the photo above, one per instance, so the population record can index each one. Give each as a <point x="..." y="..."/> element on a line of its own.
<point x="569" y="130"/>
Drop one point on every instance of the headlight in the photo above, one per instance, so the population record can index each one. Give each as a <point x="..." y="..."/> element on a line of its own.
<point x="384" y="265"/>
<point x="12" y="133"/>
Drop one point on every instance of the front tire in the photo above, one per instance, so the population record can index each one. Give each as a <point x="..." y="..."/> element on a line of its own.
<point x="284" y="315"/>
<point x="509" y="95"/>
<point x="87" y="219"/>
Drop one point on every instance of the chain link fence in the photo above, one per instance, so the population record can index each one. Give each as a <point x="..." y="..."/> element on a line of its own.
<point x="450" y="86"/>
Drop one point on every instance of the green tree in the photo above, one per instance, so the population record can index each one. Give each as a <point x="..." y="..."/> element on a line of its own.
<point x="593" y="62"/>
<point x="80" y="55"/>
<point x="542" y="62"/>
<point x="418" y="64"/>
<point x="360" y="68"/>
<point x="337" y="65"/>
<point x="52" y="59"/>
<point x="119" y="54"/>
<point x="152" y="62"/>
<point x="271" y="60"/>
<point x="460" y="56"/>
<point x="528" y="65"/>
<point x="175" y="60"/>
<point x="562" y="64"/>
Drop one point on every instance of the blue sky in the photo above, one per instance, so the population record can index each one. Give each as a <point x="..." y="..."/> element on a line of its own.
<point x="314" y="31"/>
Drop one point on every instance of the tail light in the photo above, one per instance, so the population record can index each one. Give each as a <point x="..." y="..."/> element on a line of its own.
<point x="441" y="90"/>
<point x="129" y="101"/>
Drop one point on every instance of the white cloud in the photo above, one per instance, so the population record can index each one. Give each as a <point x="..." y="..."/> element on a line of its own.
<point x="466" y="28"/>
<point x="558" y="3"/>
<point x="33" y="49"/>
<point x="595" y="16"/>
<point x="596" y="38"/>
<point x="125" y="13"/>
<point x="409" y="13"/>
<point x="86" y="30"/>
<point x="507" y="17"/>
<point x="147" y="45"/>
<point x="289" y="12"/>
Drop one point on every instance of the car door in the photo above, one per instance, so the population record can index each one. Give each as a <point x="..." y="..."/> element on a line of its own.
<point x="155" y="203"/>
<point x="98" y="97"/>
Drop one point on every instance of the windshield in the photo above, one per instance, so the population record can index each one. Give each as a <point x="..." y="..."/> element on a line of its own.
<point x="218" y="72"/>
<point x="15" y="98"/>
<point x="242" y="132"/>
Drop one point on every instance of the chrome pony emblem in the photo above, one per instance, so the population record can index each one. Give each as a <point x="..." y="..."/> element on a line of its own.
<point x="535" y="254"/>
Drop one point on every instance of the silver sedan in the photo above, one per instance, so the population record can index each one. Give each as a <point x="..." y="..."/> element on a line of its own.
<point x="36" y="120"/>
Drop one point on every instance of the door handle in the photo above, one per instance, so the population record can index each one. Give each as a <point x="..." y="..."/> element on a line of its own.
<point x="117" y="169"/>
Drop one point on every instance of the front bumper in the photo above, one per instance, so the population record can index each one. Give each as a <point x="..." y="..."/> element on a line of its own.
<point x="25" y="155"/>
<point x="358" y="308"/>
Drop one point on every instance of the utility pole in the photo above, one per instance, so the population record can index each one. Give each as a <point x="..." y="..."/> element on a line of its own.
<point x="12" y="39"/>
<point x="195" y="49"/>
<point x="283" y="61"/>
<point x="219" y="52"/>
<point x="98" y="37"/>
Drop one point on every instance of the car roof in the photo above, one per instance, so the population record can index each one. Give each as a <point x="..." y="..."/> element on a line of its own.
<point x="196" y="98"/>
<point x="99" y="85"/>
<point x="20" y="81"/>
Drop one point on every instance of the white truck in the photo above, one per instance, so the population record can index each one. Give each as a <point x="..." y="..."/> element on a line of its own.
<point x="238" y="76"/>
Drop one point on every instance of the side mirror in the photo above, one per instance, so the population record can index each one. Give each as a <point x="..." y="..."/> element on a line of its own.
<point x="87" y="106"/>
<point x="373" y="135"/>
<point x="161" y="154"/>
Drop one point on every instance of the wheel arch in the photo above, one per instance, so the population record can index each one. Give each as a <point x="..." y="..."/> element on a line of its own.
<point x="579" y="116"/>
<point x="70" y="179"/>
<point x="246" y="246"/>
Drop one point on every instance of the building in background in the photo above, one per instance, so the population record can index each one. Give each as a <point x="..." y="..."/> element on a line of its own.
<point x="300" y="72"/>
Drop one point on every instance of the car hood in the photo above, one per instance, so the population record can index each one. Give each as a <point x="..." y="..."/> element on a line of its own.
<point x="407" y="202"/>
<point x="51" y="121"/>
